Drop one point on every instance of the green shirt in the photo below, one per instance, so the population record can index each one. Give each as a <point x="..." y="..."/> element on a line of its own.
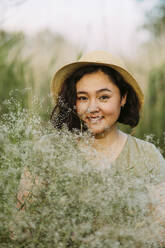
<point x="142" y="157"/>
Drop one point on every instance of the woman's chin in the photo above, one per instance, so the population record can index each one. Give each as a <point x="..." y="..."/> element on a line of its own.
<point x="97" y="131"/>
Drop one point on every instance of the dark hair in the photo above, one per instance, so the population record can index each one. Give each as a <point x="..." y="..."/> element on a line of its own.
<point x="65" y="113"/>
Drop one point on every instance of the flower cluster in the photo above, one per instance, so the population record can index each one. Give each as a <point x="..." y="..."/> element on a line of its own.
<point x="74" y="202"/>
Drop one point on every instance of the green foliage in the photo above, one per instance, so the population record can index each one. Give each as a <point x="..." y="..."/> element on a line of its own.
<point x="13" y="70"/>
<point x="155" y="19"/>
<point x="17" y="76"/>
<point x="153" y="121"/>
<point x="156" y="100"/>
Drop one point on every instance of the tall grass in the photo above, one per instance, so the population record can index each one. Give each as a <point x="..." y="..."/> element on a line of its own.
<point x="149" y="67"/>
<point x="17" y="75"/>
<point x="12" y="69"/>
<point x="153" y="121"/>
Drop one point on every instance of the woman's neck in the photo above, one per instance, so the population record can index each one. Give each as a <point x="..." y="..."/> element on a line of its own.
<point x="106" y="139"/>
<point x="110" y="143"/>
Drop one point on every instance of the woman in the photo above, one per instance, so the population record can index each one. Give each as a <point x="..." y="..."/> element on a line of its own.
<point x="95" y="94"/>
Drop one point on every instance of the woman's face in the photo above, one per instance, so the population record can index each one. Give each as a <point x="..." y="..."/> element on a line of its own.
<point x="98" y="102"/>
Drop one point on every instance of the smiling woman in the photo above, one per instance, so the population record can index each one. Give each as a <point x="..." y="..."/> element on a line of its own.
<point x="93" y="95"/>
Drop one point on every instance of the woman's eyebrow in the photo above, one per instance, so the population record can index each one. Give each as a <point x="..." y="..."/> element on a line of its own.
<point x="98" y="91"/>
<point x="81" y="92"/>
<point x="104" y="89"/>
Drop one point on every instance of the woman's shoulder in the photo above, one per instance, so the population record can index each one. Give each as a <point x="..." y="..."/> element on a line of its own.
<point x="142" y="144"/>
<point x="145" y="149"/>
<point x="147" y="155"/>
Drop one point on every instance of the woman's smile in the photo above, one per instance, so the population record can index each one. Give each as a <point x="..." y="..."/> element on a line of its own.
<point x="94" y="119"/>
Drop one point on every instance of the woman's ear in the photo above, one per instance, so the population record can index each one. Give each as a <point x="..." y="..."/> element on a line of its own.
<point x="123" y="100"/>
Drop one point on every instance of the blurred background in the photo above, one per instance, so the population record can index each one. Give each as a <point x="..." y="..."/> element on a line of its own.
<point x="37" y="37"/>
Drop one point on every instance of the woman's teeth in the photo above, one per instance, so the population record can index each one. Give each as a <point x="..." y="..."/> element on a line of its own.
<point x="95" y="119"/>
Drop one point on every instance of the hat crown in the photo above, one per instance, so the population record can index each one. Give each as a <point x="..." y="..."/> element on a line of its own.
<point x="102" y="57"/>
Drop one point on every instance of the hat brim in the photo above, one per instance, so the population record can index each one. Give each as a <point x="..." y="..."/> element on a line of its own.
<point x="66" y="71"/>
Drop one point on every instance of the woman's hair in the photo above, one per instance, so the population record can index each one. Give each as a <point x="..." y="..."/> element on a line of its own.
<point x="65" y="113"/>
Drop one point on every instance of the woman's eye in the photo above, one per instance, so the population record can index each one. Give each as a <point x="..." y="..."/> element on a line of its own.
<point x="82" y="98"/>
<point x="104" y="97"/>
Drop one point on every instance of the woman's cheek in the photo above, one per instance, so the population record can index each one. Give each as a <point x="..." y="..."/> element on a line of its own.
<point x="108" y="109"/>
<point x="112" y="109"/>
<point x="81" y="108"/>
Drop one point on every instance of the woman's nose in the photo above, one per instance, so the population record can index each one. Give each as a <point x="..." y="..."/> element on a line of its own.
<point x="93" y="106"/>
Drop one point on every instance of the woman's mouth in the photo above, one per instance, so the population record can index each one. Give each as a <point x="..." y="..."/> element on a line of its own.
<point x="94" y="119"/>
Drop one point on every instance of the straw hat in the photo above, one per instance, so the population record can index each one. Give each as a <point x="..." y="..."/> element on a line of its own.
<point x="94" y="58"/>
